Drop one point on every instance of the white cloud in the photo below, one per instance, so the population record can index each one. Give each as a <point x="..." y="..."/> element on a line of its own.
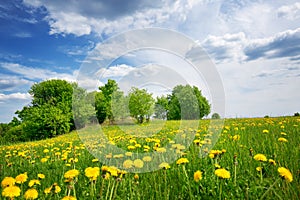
<point x="82" y="18"/>
<point x="36" y="73"/>
<point x="290" y="12"/>
<point x="14" y="96"/>
<point x="8" y="83"/>
<point x="115" y="71"/>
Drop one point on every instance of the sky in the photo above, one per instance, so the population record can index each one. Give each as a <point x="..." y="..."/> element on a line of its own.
<point x="253" y="44"/>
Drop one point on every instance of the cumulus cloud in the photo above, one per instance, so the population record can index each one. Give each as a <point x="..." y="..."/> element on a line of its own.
<point x="115" y="71"/>
<point x="12" y="83"/>
<point x="290" y="12"/>
<point x="83" y="17"/>
<point x="14" y="96"/>
<point x="238" y="47"/>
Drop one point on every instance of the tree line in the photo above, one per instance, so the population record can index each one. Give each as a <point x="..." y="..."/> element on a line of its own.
<point x="58" y="107"/>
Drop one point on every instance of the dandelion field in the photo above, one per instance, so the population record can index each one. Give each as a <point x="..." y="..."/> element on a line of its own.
<point x="255" y="158"/>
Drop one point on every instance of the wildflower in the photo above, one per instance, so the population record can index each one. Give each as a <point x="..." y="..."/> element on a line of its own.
<point x="136" y="177"/>
<point x="127" y="164"/>
<point x="95" y="160"/>
<point x="282" y="140"/>
<point x="31" y="194"/>
<point x="286" y="174"/>
<point x="236" y="137"/>
<point x="57" y="189"/>
<point x="197" y="176"/>
<point x="182" y="161"/>
<point x="71" y="173"/>
<point x="69" y="198"/>
<point x="138" y="163"/>
<point x="272" y="162"/>
<point x="258" y="169"/>
<point x="128" y="154"/>
<point x="11" y="192"/>
<point x="46" y="150"/>
<point x="217" y="166"/>
<point x="8" y="181"/>
<point x="147" y="158"/>
<point x="222" y="173"/>
<point x="130" y="147"/>
<point x="92" y="172"/>
<point x="265" y="131"/>
<point x="21" y="178"/>
<point x="34" y="182"/>
<point x="41" y="176"/>
<point x="260" y="157"/>
<point x="43" y="160"/>
<point x="164" y="165"/>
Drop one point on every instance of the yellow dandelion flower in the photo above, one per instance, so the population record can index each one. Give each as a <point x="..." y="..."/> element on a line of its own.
<point x="34" y="182"/>
<point x="31" y="194"/>
<point x="11" y="192"/>
<point x="128" y="154"/>
<point x="217" y="166"/>
<point x="236" y="137"/>
<point x="69" y="198"/>
<point x="136" y="177"/>
<point x="283" y="133"/>
<point x="182" y="161"/>
<point x="127" y="164"/>
<point x="161" y="150"/>
<point x="138" y="163"/>
<point x="265" y="131"/>
<point x="57" y="189"/>
<point x="211" y="155"/>
<point x="286" y="174"/>
<point x="272" y="162"/>
<point x="71" y="173"/>
<point x="222" y="173"/>
<point x="147" y="158"/>
<point x="95" y="160"/>
<point x="258" y="169"/>
<point x="41" y="176"/>
<point x="113" y="171"/>
<point x="130" y="147"/>
<point x="260" y="157"/>
<point x="8" y="181"/>
<point x="46" y="150"/>
<point x="48" y="190"/>
<point x="198" y="176"/>
<point x="43" y="160"/>
<point x="92" y="172"/>
<point x="164" y="165"/>
<point x="282" y="139"/>
<point x="21" y="178"/>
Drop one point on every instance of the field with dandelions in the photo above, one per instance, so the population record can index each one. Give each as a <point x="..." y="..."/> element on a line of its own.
<point x="252" y="159"/>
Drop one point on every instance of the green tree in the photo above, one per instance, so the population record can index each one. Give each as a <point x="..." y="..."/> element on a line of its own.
<point x="119" y="105"/>
<point x="187" y="102"/>
<point x="50" y="112"/>
<point x="104" y="100"/>
<point x="141" y="104"/>
<point x="161" y="107"/>
<point x="216" y="116"/>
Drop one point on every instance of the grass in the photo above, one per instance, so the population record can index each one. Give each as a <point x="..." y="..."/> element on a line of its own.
<point x="240" y="140"/>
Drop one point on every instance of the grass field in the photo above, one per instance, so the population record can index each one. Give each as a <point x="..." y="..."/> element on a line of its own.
<point x="62" y="167"/>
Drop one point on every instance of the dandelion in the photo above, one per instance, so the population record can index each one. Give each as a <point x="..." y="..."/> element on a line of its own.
<point x="43" y="160"/>
<point x="95" y="160"/>
<point x="69" y="198"/>
<point x="286" y="174"/>
<point x="222" y="173"/>
<point x="236" y="137"/>
<point x="11" y="192"/>
<point x="265" y="131"/>
<point x="138" y="163"/>
<point x="259" y="169"/>
<point x="31" y="194"/>
<point x="272" y="162"/>
<point x="8" y="181"/>
<point x="147" y="158"/>
<point x="127" y="164"/>
<point x="71" y="174"/>
<point x="198" y="176"/>
<point x="128" y="154"/>
<point x="92" y="172"/>
<point x="21" y="178"/>
<point x="182" y="161"/>
<point x="282" y="139"/>
<point x="34" y="182"/>
<point x="41" y="176"/>
<point x="164" y="165"/>
<point x="260" y="157"/>
<point x="136" y="177"/>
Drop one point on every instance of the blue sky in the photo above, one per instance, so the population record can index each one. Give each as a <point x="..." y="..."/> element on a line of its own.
<point x="255" y="45"/>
